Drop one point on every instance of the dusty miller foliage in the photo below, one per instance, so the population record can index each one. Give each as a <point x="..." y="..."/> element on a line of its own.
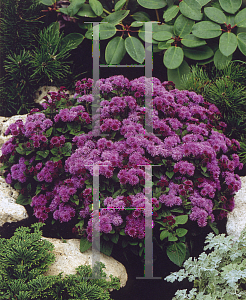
<point x="220" y="274"/>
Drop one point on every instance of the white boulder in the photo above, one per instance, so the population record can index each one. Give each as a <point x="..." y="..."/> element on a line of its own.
<point x="236" y="220"/>
<point x="69" y="257"/>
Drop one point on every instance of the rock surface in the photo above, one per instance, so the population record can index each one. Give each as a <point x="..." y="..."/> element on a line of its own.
<point x="236" y="219"/>
<point x="69" y="257"/>
<point x="9" y="210"/>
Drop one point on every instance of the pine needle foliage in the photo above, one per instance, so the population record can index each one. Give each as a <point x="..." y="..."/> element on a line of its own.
<point x="25" y="257"/>
<point x="220" y="274"/>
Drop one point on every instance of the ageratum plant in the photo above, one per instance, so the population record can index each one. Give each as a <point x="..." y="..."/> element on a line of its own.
<point x="50" y="159"/>
<point x="188" y="30"/>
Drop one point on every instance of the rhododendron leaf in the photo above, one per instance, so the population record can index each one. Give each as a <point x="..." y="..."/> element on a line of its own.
<point x="175" y="75"/>
<point x="74" y="7"/>
<point x="240" y="18"/>
<point x="169" y="174"/>
<point x="141" y="16"/>
<point x="164" y="234"/>
<point x="162" y="35"/>
<point x="206" y="30"/>
<point x="191" y="9"/>
<point x="86" y="11"/>
<point x="173" y="57"/>
<point x="135" y="49"/>
<point x="170" y="13"/>
<point x="215" y="14"/>
<point x="181" y="232"/>
<point x="176" y="253"/>
<point x="192" y="41"/>
<point x="72" y="40"/>
<point x="199" y="53"/>
<point x="44" y="154"/>
<point x="106" y="31"/>
<point x="116" y="17"/>
<point x="172" y="238"/>
<point x="114" y="238"/>
<point x="220" y="60"/>
<point x="228" y="43"/>
<point x="96" y="6"/>
<point x="181" y="219"/>
<point x="119" y="5"/>
<point x="152" y="4"/>
<point x="47" y="2"/>
<point x="106" y="247"/>
<point x="84" y="244"/>
<point x="242" y="42"/>
<point x="115" y="51"/>
<point x="18" y="186"/>
<point x="230" y="6"/>
<point x="182" y="26"/>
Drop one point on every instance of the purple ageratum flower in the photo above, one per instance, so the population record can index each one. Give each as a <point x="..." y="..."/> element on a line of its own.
<point x="200" y="215"/>
<point x="170" y="200"/>
<point x="184" y="167"/>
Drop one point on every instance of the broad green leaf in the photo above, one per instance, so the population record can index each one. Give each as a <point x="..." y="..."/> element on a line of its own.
<point x="183" y="26"/>
<point x="64" y="10"/>
<point x="230" y="19"/>
<point x="192" y="41"/>
<point x="215" y="14"/>
<point x="199" y="53"/>
<point x="152" y="4"/>
<point x="135" y="49"/>
<point x="170" y="13"/>
<point x="240" y="18"/>
<point x="206" y="30"/>
<point x="181" y="232"/>
<point x="176" y="253"/>
<point x="106" y="247"/>
<point x="23" y="200"/>
<point x="114" y="238"/>
<point x="84" y="244"/>
<point x="119" y="5"/>
<point x="164" y="234"/>
<point x="204" y="62"/>
<point x="96" y="6"/>
<point x="47" y="2"/>
<point x="173" y="57"/>
<point x="175" y="75"/>
<point x="72" y="40"/>
<point x="106" y="31"/>
<point x="228" y="43"/>
<point x="241" y="38"/>
<point x="214" y="227"/>
<point x="137" y="24"/>
<point x="169" y="174"/>
<point x="18" y="186"/>
<point x="44" y="154"/>
<point x="86" y="11"/>
<point x="141" y="16"/>
<point x="220" y="60"/>
<point x="162" y="36"/>
<point x="165" y="45"/>
<point x="172" y="238"/>
<point x="145" y="34"/>
<point x="241" y="29"/>
<point x="230" y="6"/>
<point x="74" y="7"/>
<point x="181" y="219"/>
<point x="116" y="17"/>
<point x="191" y="9"/>
<point x="115" y="51"/>
<point x="203" y="2"/>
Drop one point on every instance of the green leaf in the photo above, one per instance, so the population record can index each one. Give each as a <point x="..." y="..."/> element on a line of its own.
<point x="241" y="38"/>
<point x="215" y="14"/>
<point x="44" y="154"/>
<point x="181" y="232"/>
<point x="206" y="30"/>
<point x="116" y="193"/>
<point x="173" y="57"/>
<point x="176" y="253"/>
<point x="49" y="132"/>
<point x="114" y="238"/>
<point x="86" y="11"/>
<point x="74" y="7"/>
<point x="228" y="43"/>
<point x="230" y="6"/>
<point x="169" y="174"/>
<point x="54" y="151"/>
<point x="170" y="13"/>
<point x="106" y="247"/>
<point x="162" y="36"/>
<point x="164" y="234"/>
<point x="96" y="6"/>
<point x="67" y="149"/>
<point x="214" y="227"/>
<point x="204" y="169"/>
<point x="191" y="9"/>
<point x="175" y="75"/>
<point x="116" y="17"/>
<point x="146" y="37"/>
<point x="106" y="31"/>
<point x="181" y="219"/>
<point x="183" y="26"/>
<point x="164" y="45"/>
<point x="230" y="19"/>
<point x="115" y="51"/>
<point x="141" y="16"/>
<point x="72" y="40"/>
<point x="137" y="24"/>
<point x="84" y="244"/>
<point x="135" y="49"/>
<point x="192" y="41"/>
<point x="172" y="238"/>
<point x="203" y="2"/>
<point x="124" y="243"/>
<point x="18" y="186"/>
<point x="119" y="5"/>
<point x="240" y="18"/>
<point x="47" y="2"/>
<point x="23" y="200"/>
<point x="220" y="60"/>
<point x="199" y="53"/>
<point x="152" y="4"/>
